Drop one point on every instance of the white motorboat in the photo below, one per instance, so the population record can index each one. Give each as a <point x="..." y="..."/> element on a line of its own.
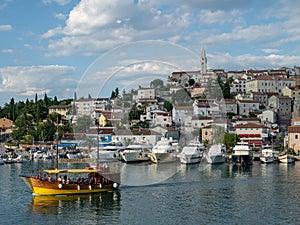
<point x="242" y="154"/>
<point x="286" y="158"/>
<point x="166" y="150"/>
<point x="216" y="154"/>
<point x="75" y="154"/>
<point x="137" y="153"/>
<point x="191" y="153"/>
<point x="267" y="155"/>
<point x="108" y="152"/>
<point x="20" y="159"/>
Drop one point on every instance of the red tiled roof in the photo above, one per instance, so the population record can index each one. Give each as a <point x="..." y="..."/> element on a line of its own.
<point x="294" y="129"/>
<point x="249" y="125"/>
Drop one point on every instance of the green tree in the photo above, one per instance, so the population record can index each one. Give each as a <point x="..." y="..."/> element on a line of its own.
<point x="230" y="140"/>
<point x="157" y="83"/>
<point x="168" y="106"/>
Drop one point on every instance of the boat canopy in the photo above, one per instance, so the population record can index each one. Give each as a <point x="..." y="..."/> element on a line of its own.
<point x="85" y="170"/>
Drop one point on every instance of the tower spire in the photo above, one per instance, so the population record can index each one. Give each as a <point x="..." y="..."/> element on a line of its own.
<point x="203" y="62"/>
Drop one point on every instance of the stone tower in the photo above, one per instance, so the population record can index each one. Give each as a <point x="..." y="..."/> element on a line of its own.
<point x="203" y="62"/>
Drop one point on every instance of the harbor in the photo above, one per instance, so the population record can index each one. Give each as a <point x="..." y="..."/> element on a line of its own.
<point x="163" y="193"/>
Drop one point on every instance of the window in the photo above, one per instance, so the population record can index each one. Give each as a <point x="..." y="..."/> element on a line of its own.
<point x="296" y="136"/>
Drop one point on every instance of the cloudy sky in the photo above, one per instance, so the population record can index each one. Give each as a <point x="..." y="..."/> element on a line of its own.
<point x="60" y="47"/>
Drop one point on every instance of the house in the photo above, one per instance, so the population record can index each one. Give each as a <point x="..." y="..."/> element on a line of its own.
<point x="269" y="84"/>
<point x="200" y="121"/>
<point x="251" y="133"/>
<point x="136" y="136"/>
<point x="62" y="110"/>
<point x="282" y="105"/>
<point x="206" y="133"/>
<point x="104" y="135"/>
<point x="262" y="97"/>
<point x="229" y="106"/>
<point x="146" y="93"/>
<point x="179" y="113"/>
<point x="72" y="140"/>
<point x="167" y="131"/>
<point x="268" y="116"/>
<point x="294" y="135"/>
<point x="238" y="86"/>
<point x="6" y="125"/>
<point x="85" y="106"/>
<point x="247" y="106"/>
<point x="206" y="108"/>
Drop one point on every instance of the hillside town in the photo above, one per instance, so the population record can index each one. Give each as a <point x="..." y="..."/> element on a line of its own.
<point x="260" y="106"/>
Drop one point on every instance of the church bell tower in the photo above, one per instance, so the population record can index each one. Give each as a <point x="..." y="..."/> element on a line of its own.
<point x="203" y="62"/>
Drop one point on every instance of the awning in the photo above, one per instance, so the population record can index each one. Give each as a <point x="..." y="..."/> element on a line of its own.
<point x="67" y="145"/>
<point x="254" y="142"/>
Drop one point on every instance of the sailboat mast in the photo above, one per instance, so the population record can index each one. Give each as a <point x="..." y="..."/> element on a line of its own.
<point x="98" y="131"/>
<point x="56" y="136"/>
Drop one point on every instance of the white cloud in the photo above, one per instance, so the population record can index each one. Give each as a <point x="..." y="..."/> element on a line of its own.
<point x="5" y="27"/>
<point x="60" y="2"/>
<point x="219" y="16"/>
<point x="27" y="81"/>
<point x="8" y="50"/>
<point x="95" y="25"/>
<point x="248" y="61"/>
<point x="270" y="50"/>
<point x="60" y="16"/>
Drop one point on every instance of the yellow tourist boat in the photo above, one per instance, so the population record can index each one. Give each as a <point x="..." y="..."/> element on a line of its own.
<point x="73" y="181"/>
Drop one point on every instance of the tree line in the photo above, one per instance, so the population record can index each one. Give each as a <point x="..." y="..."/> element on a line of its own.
<point x="32" y="121"/>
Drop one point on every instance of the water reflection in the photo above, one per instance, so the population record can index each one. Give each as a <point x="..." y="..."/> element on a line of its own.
<point x="93" y="203"/>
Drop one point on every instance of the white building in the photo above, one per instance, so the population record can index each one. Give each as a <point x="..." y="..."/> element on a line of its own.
<point x="146" y="93"/>
<point x="268" y="116"/>
<point x="282" y="105"/>
<point x="87" y="106"/>
<point x="247" y="106"/>
<point x="269" y="84"/>
<point x="180" y="113"/>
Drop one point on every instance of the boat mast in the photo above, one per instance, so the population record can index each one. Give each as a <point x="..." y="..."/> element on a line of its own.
<point x="56" y="136"/>
<point x="98" y="131"/>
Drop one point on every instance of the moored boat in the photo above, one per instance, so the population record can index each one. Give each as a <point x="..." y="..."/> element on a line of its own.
<point x="267" y="155"/>
<point x="242" y="154"/>
<point x="216" y="154"/>
<point x="108" y="152"/>
<point x="166" y="150"/>
<point x="135" y="153"/>
<point x="191" y="153"/>
<point x="287" y="158"/>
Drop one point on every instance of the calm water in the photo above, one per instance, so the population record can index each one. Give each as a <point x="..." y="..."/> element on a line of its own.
<point x="173" y="194"/>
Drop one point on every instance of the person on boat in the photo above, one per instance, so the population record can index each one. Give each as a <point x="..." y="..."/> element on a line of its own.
<point x="106" y="167"/>
<point x="59" y="178"/>
<point x="49" y="178"/>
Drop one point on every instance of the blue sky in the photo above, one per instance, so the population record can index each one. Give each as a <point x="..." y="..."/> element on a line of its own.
<point x="93" y="46"/>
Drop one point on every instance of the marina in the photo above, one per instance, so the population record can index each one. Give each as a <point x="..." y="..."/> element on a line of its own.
<point x="206" y="194"/>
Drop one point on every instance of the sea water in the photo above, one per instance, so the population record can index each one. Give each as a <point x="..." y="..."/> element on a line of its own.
<point x="168" y="193"/>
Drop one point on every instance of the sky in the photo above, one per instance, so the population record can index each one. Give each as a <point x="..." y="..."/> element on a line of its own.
<point x="62" y="47"/>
